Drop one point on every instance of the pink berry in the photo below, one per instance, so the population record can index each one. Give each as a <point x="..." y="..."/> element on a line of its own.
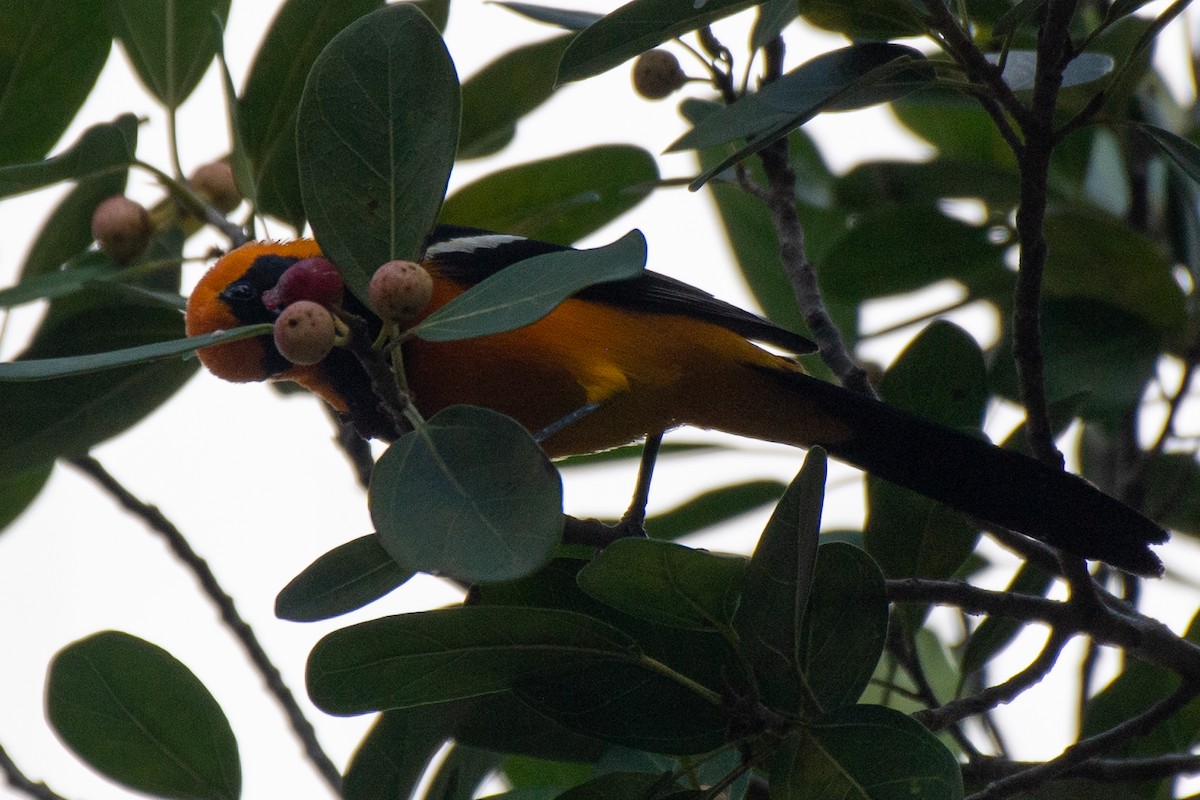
<point x="304" y="332"/>
<point x="399" y="291"/>
<point x="314" y="279"/>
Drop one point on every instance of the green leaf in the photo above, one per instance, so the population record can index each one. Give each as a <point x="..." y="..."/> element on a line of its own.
<point x="502" y="723"/>
<point x="100" y="149"/>
<point x="268" y="104"/>
<point x="141" y="718"/>
<point x="667" y="702"/>
<point x="347" y="577"/>
<point x="496" y="97"/>
<point x="461" y="773"/>
<point x="1173" y="492"/>
<point x="19" y="490"/>
<point x="1092" y="351"/>
<point x="469" y="495"/>
<point x="559" y="199"/>
<point x="923" y="246"/>
<point x="507" y="300"/>
<point x="747" y="223"/>
<point x="666" y="583"/>
<point x="1182" y="152"/>
<point x="635" y="28"/>
<point x="773" y="17"/>
<point x="1097" y="256"/>
<point x="955" y="124"/>
<point x="1129" y="695"/>
<point x="50" y="57"/>
<point x="1020" y="69"/>
<point x="877" y="20"/>
<point x="170" y="43"/>
<point x="392" y="759"/>
<point x="452" y="654"/>
<point x="776" y="588"/>
<point x="865" y="752"/>
<point x="712" y="507"/>
<point x="65" y="366"/>
<point x="872" y="184"/>
<point x="940" y="376"/>
<point x="627" y="704"/>
<point x="376" y="136"/>
<point x="48" y="285"/>
<point x="995" y="633"/>
<point x="844" y="627"/>
<point x="563" y="18"/>
<point x="68" y="415"/>
<point x="852" y="77"/>
<point x="622" y="786"/>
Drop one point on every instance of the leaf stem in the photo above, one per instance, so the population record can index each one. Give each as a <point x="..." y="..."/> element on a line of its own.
<point x="683" y="680"/>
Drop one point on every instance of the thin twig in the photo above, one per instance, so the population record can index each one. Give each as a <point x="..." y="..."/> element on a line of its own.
<point x="157" y="522"/>
<point x="935" y="719"/>
<point x="1077" y="755"/>
<point x="17" y="780"/>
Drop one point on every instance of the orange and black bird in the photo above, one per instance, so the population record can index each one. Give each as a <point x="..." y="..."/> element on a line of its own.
<point x="648" y="354"/>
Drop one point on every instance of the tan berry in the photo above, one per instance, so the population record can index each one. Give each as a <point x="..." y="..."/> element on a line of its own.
<point x="122" y="228"/>
<point x="656" y="74"/>
<point x="399" y="291"/>
<point x="304" y="332"/>
<point x="214" y="182"/>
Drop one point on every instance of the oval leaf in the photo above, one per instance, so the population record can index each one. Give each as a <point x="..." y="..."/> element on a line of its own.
<point x="393" y="757"/>
<point x="666" y="583"/>
<point x="559" y="199"/>
<point x="53" y="53"/>
<point x="347" y="577"/>
<point x="844" y="627"/>
<point x="170" y="44"/>
<point x="470" y="495"/>
<point x="940" y="376"/>
<point x="451" y="654"/>
<point x="66" y="416"/>
<point x="635" y="28"/>
<point x="101" y="148"/>
<point x="141" y="718"/>
<point x="267" y="107"/>
<point x="376" y="137"/>
<point x="502" y="92"/>
<point x="43" y="368"/>
<point x="504" y="302"/>
<point x="1020" y="68"/>
<point x="776" y="586"/>
<point x="865" y="752"/>
<point x="852" y="77"/>
<point x="563" y="18"/>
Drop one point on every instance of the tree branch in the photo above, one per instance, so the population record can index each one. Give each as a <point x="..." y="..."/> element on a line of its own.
<point x="935" y="719"/>
<point x="1113" y="623"/>
<point x="1053" y="54"/>
<point x="1077" y="755"/>
<point x="175" y="540"/>
<point x="17" y="780"/>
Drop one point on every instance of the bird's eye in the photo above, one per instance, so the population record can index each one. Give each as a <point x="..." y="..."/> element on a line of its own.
<point x="239" y="293"/>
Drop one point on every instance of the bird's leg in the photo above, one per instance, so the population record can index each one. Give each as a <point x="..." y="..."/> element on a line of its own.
<point x="634" y="521"/>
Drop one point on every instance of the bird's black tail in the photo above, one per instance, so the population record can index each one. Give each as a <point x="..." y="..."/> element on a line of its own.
<point x="984" y="481"/>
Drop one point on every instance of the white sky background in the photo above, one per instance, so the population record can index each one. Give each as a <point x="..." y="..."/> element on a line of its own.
<point x="259" y="489"/>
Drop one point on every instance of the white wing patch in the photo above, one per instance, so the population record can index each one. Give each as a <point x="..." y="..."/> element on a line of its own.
<point x="470" y="244"/>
